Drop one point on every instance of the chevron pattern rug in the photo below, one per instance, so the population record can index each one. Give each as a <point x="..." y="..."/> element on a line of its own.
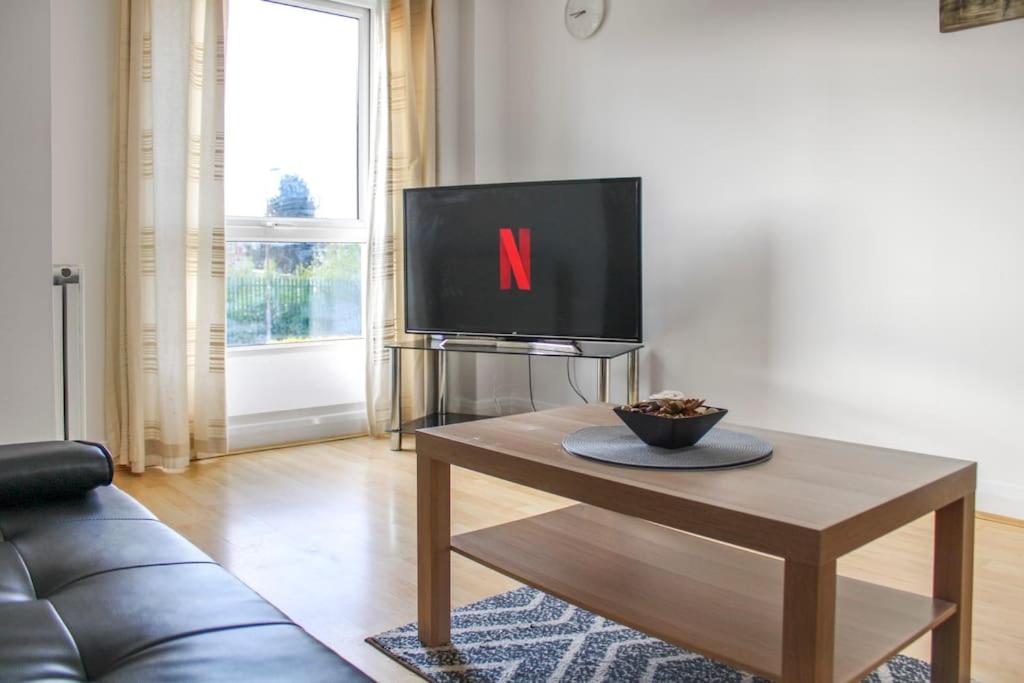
<point x="526" y="636"/>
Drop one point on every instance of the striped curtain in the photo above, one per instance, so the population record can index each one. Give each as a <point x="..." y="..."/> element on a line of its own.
<point x="165" y="300"/>
<point x="406" y="135"/>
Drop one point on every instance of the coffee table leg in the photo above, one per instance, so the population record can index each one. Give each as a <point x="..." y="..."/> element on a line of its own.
<point x="433" y="554"/>
<point x="953" y="576"/>
<point x="808" y="622"/>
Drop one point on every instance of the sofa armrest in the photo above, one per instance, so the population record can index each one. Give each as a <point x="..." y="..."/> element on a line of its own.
<point x="52" y="469"/>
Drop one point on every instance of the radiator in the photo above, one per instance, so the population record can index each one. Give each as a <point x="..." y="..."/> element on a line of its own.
<point x="69" y="351"/>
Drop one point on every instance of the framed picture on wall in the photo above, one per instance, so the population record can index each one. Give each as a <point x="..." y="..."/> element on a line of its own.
<point x="955" y="15"/>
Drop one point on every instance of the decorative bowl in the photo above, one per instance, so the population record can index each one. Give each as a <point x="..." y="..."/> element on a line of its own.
<point x="670" y="432"/>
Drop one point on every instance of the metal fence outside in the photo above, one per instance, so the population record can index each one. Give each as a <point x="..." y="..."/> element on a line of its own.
<point x="277" y="307"/>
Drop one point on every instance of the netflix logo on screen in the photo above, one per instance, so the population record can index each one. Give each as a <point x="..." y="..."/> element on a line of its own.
<point x="514" y="259"/>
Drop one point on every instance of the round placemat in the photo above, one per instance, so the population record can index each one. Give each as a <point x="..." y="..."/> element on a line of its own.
<point x="718" y="449"/>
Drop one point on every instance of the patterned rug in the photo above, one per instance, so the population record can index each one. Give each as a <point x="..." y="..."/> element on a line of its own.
<point x="527" y="636"/>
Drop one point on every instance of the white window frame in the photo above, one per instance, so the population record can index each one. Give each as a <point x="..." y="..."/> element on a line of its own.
<point x="339" y="230"/>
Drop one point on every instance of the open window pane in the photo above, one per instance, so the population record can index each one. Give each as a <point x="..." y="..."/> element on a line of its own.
<point x="292" y="109"/>
<point x="293" y="291"/>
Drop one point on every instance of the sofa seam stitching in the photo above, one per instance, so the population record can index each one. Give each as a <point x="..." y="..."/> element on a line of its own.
<point x="64" y="586"/>
<point x="71" y="636"/>
<point x="59" y="522"/>
<point x="119" y="662"/>
<point x="31" y="579"/>
<point x="103" y="519"/>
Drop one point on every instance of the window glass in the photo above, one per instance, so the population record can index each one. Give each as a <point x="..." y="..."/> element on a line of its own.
<point x="292" y="112"/>
<point x="293" y="291"/>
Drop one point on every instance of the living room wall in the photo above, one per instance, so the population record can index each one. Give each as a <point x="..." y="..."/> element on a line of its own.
<point x="83" y="65"/>
<point x="58" y="75"/>
<point x="833" y="205"/>
<point x="26" y="327"/>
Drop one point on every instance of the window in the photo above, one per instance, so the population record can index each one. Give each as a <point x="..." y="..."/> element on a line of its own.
<point x="296" y="160"/>
<point x="293" y="291"/>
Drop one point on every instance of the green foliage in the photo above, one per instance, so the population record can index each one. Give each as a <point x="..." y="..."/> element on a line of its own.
<point x="342" y="263"/>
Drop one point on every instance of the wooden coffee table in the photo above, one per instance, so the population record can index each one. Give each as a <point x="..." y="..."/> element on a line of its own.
<point x="623" y="554"/>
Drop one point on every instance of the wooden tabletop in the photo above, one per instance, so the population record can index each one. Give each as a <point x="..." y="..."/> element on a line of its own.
<point x="815" y="499"/>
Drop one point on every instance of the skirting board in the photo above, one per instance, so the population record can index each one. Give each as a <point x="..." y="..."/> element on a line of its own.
<point x="296" y="444"/>
<point x="284" y="427"/>
<point x="1001" y="499"/>
<point x="1001" y="519"/>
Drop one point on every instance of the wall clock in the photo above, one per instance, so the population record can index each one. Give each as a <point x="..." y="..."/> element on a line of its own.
<point x="583" y="17"/>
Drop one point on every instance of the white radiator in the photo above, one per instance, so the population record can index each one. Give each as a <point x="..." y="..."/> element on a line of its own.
<point x="69" y="351"/>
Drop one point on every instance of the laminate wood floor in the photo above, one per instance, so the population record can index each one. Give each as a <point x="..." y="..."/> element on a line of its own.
<point x="327" y="533"/>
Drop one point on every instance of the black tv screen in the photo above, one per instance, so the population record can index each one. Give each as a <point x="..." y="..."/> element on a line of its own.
<point x="539" y="260"/>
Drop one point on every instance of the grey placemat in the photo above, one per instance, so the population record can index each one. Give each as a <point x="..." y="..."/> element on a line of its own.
<point x="718" y="449"/>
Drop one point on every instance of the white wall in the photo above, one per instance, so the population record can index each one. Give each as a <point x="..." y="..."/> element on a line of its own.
<point x="833" y="207"/>
<point x="295" y="392"/>
<point x="84" y="54"/>
<point x="27" y="410"/>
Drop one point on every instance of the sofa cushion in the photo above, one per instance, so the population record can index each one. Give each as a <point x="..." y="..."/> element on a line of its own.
<point x="125" y="543"/>
<point x="35" y="645"/>
<point x="106" y="502"/>
<point x="15" y="582"/>
<point x="94" y="587"/>
<point x="278" y="652"/>
<point x="119" y="613"/>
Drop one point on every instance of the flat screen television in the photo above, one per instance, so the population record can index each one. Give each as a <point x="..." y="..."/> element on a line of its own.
<point x="537" y="260"/>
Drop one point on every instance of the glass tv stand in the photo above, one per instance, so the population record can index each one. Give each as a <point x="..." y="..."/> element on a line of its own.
<point x="603" y="352"/>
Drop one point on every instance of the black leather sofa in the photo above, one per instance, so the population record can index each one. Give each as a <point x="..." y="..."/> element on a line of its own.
<point x="94" y="588"/>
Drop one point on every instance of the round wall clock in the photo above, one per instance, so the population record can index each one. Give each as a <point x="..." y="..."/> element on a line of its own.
<point x="583" y="17"/>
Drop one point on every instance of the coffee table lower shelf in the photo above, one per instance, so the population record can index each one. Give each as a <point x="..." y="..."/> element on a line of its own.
<point x="721" y="601"/>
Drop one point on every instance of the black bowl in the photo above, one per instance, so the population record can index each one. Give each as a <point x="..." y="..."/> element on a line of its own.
<point x="670" y="432"/>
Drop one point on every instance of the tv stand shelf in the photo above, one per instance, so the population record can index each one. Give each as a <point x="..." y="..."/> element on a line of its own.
<point x="603" y="352"/>
<point x="439" y="420"/>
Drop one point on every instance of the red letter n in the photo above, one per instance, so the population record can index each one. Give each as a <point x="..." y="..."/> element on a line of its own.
<point x="513" y="260"/>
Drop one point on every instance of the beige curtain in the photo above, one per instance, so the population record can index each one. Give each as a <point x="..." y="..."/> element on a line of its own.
<point x="409" y="117"/>
<point x="165" y="299"/>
